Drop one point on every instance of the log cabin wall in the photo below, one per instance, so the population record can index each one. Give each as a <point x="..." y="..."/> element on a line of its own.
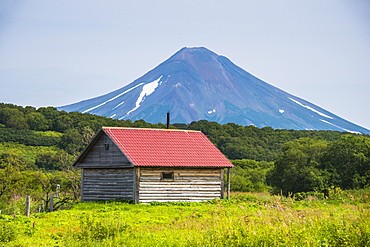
<point x="107" y="184"/>
<point x="106" y="172"/>
<point x="188" y="184"/>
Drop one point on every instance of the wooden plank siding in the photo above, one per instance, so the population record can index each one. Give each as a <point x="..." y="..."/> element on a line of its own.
<point x="99" y="157"/>
<point x="188" y="184"/>
<point x="106" y="184"/>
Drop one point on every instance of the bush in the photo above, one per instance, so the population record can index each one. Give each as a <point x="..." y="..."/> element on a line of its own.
<point x="309" y="196"/>
<point x="27" y="137"/>
<point x="7" y="231"/>
<point x="249" y="175"/>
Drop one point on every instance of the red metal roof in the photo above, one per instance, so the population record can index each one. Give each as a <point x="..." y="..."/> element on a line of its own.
<point x="166" y="147"/>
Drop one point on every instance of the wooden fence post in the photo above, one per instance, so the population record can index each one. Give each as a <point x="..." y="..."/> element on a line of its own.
<point x="51" y="202"/>
<point x="228" y="183"/>
<point x="136" y="185"/>
<point x="58" y="190"/>
<point x="222" y="177"/>
<point x="28" y="206"/>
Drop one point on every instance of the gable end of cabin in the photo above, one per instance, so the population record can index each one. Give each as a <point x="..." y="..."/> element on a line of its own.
<point x="106" y="172"/>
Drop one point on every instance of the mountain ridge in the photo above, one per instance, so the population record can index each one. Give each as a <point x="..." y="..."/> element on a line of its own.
<point x="196" y="83"/>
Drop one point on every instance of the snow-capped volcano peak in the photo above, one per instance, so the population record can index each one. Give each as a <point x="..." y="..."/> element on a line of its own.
<point x="196" y="83"/>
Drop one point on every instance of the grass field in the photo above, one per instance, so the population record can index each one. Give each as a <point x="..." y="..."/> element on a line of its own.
<point x="245" y="220"/>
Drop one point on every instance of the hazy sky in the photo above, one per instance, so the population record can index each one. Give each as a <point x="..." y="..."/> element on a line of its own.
<point x="54" y="53"/>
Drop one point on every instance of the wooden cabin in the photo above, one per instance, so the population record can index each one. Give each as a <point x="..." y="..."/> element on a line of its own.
<point x="145" y="165"/>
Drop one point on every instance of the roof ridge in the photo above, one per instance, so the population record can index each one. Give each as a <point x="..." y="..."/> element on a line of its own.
<point x="133" y="128"/>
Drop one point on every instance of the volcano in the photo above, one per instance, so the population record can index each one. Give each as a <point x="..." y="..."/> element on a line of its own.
<point x="196" y="83"/>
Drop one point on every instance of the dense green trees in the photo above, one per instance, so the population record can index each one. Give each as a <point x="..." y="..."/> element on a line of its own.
<point x="235" y="141"/>
<point x="289" y="161"/>
<point x="37" y="121"/>
<point x="249" y="175"/>
<point x="13" y="118"/>
<point x="49" y="118"/>
<point x="71" y="141"/>
<point x="347" y="162"/>
<point x="19" y="178"/>
<point x="27" y="137"/>
<point x="315" y="165"/>
<point x="297" y="167"/>
<point x="10" y="173"/>
<point x="250" y="142"/>
<point x="48" y="161"/>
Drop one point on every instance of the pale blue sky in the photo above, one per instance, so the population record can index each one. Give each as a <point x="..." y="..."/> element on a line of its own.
<point x="60" y="52"/>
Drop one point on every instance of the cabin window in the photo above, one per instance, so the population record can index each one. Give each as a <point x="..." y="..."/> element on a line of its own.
<point x="106" y="146"/>
<point x="167" y="176"/>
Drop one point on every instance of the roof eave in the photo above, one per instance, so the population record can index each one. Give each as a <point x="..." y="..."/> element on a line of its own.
<point x="195" y="166"/>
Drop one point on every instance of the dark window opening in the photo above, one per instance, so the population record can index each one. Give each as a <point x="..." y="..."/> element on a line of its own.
<point x="106" y="146"/>
<point x="167" y="175"/>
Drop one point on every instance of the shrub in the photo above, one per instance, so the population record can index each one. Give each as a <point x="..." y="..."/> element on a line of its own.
<point x="7" y="231"/>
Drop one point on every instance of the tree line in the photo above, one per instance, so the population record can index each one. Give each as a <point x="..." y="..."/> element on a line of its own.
<point x="315" y="165"/>
<point x="265" y="159"/>
<point x="235" y="141"/>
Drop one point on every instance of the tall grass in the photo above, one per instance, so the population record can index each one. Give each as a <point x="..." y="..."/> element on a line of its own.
<point x="246" y="220"/>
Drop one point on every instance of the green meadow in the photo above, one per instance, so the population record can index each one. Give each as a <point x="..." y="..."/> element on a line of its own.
<point x="247" y="219"/>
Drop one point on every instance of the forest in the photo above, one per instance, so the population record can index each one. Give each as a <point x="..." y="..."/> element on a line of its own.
<point x="38" y="146"/>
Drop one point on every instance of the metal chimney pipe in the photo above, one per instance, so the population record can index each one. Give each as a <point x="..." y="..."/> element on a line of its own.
<point x="168" y="120"/>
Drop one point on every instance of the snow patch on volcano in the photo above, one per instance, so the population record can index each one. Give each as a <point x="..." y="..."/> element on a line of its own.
<point x="147" y="90"/>
<point x="115" y="97"/>
<point x="310" y="108"/>
<point x="212" y="111"/>
<point x="351" y="131"/>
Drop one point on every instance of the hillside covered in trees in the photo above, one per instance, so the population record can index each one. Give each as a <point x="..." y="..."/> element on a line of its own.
<point x="30" y="126"/>
<point x="44" y="142"/>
